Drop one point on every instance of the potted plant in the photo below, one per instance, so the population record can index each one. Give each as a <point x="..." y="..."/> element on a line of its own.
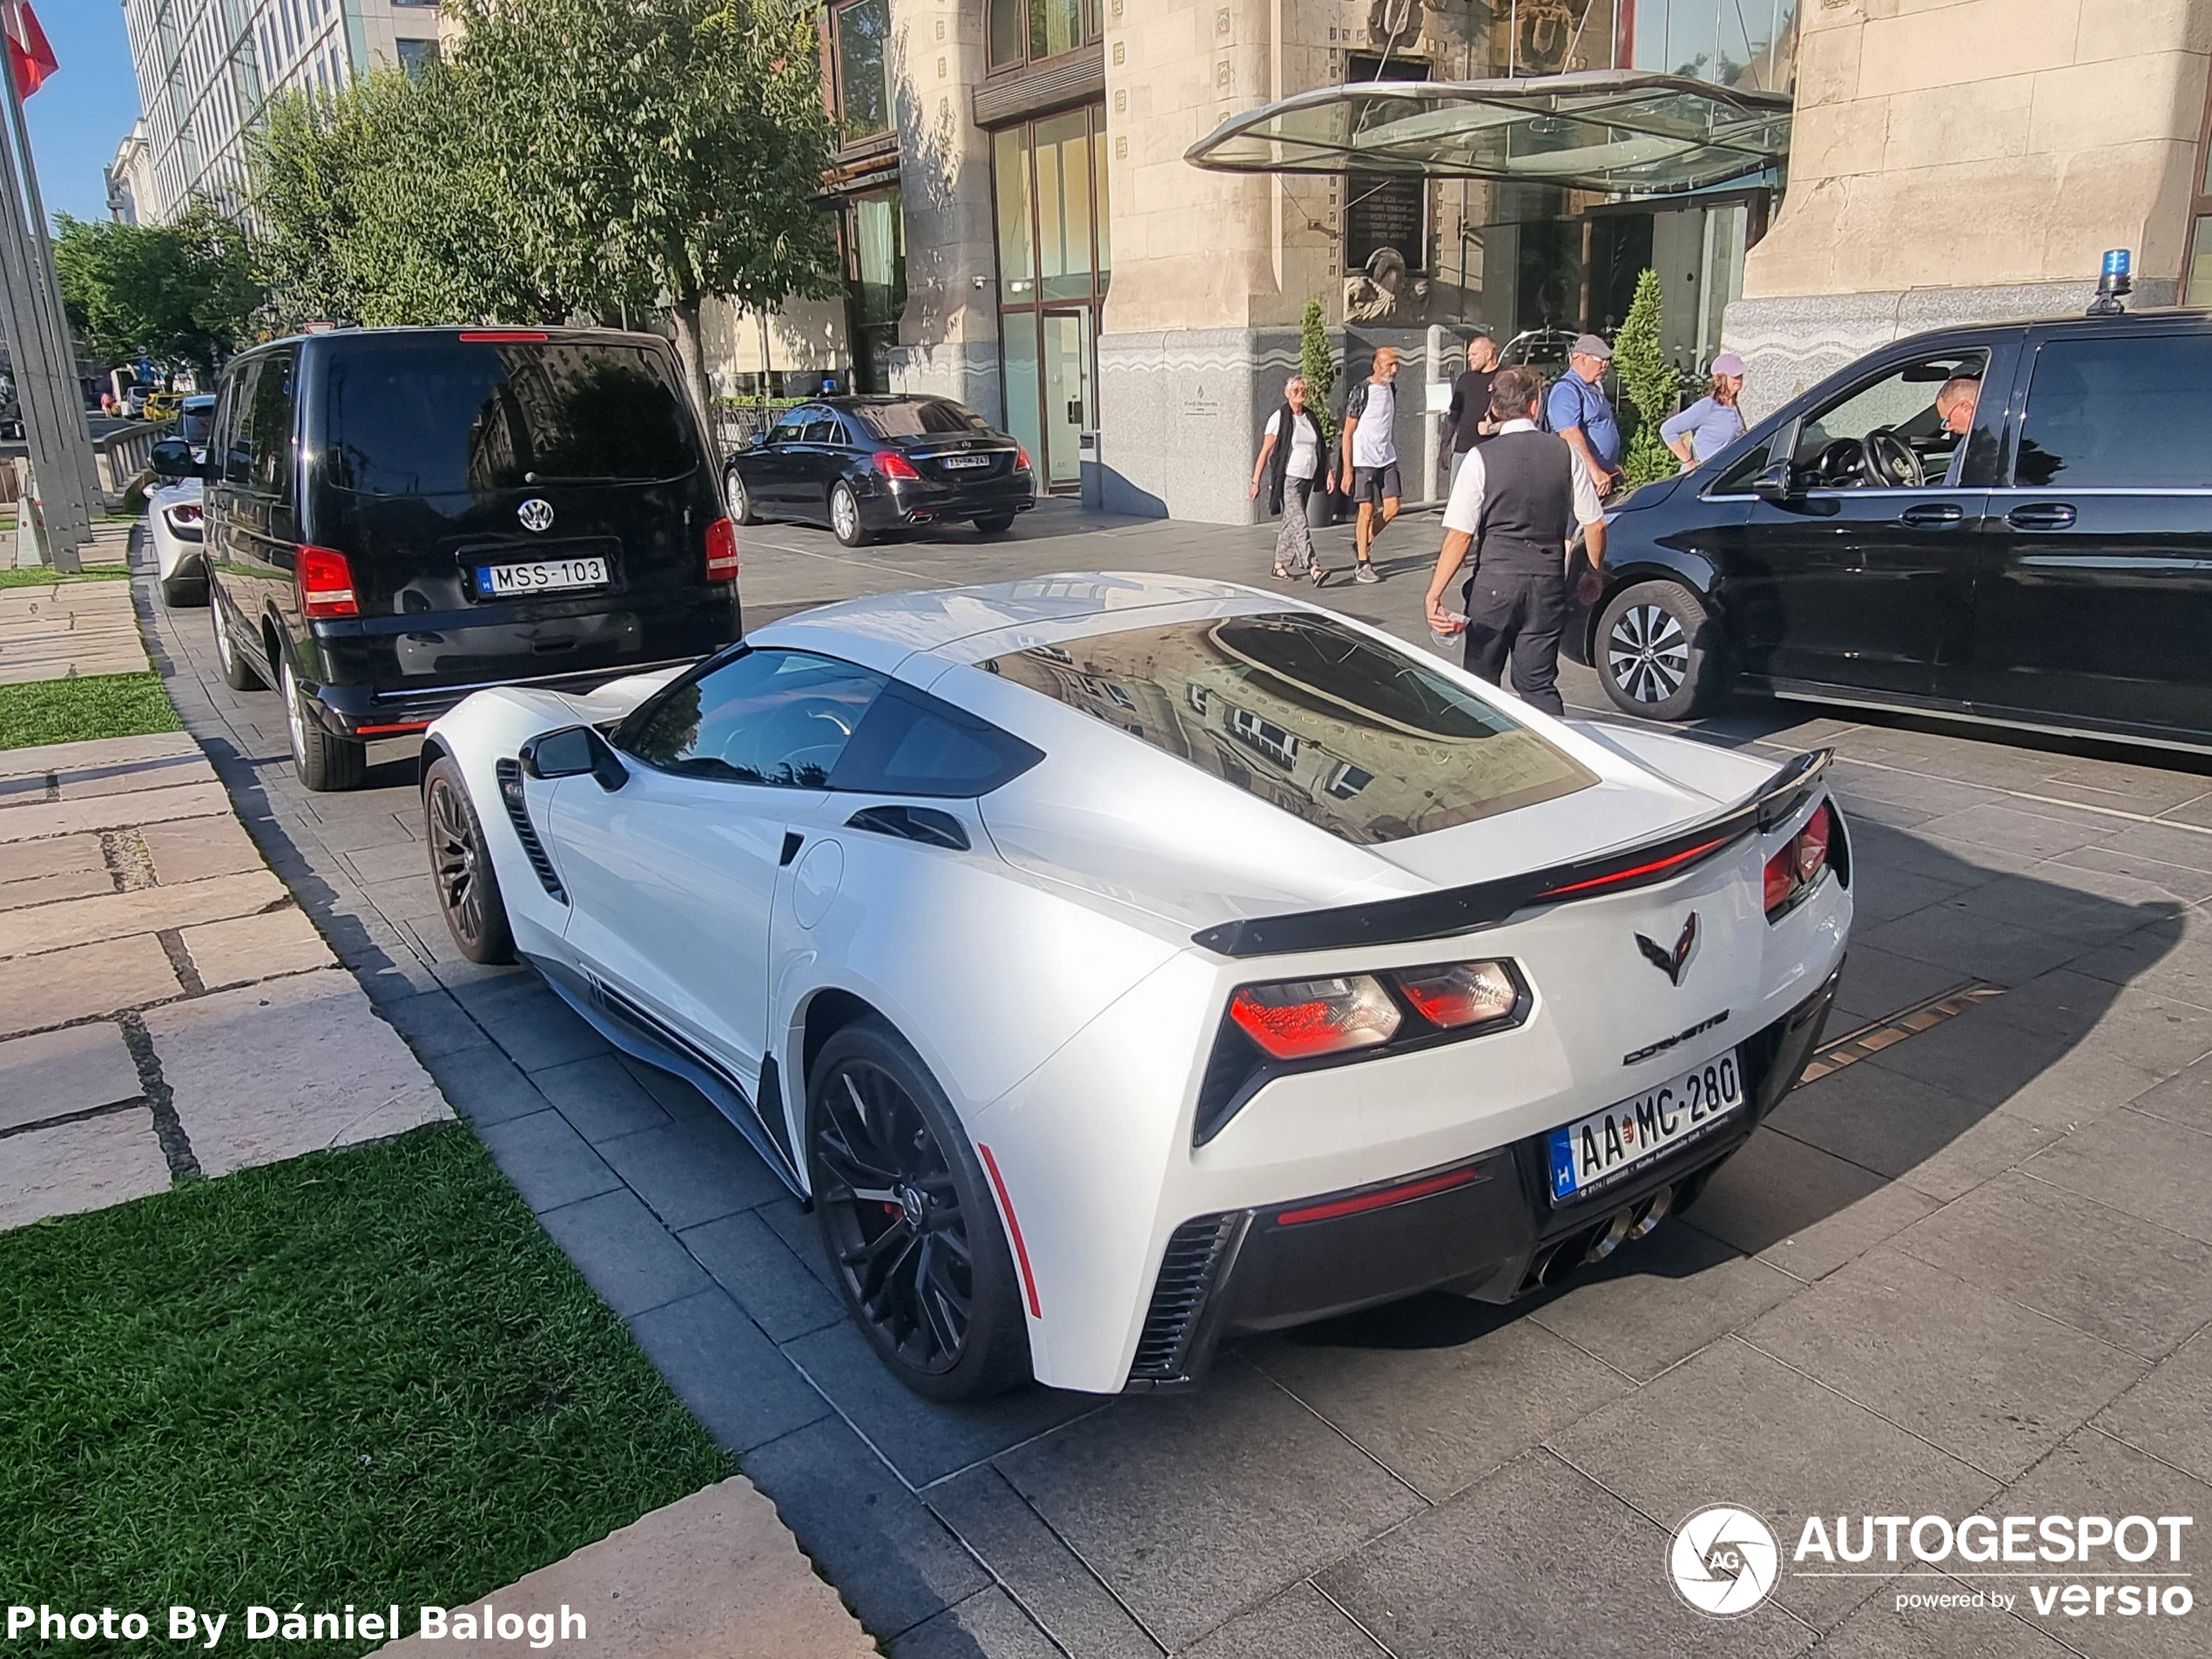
<point x="1320" y="371"/>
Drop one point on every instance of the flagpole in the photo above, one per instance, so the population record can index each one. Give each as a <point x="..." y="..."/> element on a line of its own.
<point x="66" y="523"/>
<point x="47" y="280"/>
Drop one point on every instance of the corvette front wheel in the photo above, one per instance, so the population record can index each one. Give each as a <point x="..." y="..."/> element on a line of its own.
<point x="906" y="1219"/>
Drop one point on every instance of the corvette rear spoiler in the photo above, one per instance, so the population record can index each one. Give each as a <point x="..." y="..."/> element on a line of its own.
<point x="1457" y="910"/>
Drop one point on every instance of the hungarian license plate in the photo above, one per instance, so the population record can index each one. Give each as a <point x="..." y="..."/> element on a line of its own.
<point x="540" y="575"/>
<point x="1591" y="1151"/>
<point x="967" y="461"/>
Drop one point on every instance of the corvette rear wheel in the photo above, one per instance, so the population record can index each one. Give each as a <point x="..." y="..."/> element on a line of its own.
<point x="461" y="868"/>
<point x="907" y="1221"/>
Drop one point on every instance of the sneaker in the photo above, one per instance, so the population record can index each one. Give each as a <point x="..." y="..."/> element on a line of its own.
<point x="1366" y="572"/>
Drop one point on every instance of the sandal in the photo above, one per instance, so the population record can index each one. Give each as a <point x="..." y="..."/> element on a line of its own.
<point x="1281" y="575"/>
<point x="1319" y="575"/>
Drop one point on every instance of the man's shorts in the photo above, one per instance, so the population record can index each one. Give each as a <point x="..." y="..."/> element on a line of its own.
<point x="1377" y="484"/>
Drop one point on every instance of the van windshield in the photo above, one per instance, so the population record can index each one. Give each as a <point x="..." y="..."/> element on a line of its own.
<point x="441" y="416"/>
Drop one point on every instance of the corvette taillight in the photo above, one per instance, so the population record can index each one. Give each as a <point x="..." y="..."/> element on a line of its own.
<point x="1460" y="993"/>
<point x="1298" y="1019"/>
<point x="326" y="582"/>
<point x="722" y="551"/>
<point x="1792" y="870"/>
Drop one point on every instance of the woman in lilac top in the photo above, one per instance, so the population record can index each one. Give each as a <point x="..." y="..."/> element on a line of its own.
<point x="1713" y="422"/>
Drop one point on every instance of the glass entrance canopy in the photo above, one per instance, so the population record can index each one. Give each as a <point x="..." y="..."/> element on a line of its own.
<point x="1615" y="130"/>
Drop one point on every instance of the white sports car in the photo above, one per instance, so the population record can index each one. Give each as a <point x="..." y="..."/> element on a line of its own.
<point x="173" y="524"/>
<point x="1124" y="961"/>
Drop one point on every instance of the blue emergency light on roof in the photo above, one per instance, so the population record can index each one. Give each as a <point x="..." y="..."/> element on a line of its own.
<point x="2117" y="262"/>
<point x="2112" y="281"/>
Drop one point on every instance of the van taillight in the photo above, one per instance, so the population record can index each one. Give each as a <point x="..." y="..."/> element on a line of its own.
<point x="722" y="551"/>
<point x="326" y="582"/>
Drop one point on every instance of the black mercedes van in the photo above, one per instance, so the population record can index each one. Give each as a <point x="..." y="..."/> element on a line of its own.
<point x="396" y="517"/>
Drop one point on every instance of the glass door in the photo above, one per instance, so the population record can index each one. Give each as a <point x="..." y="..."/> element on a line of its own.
<point x="1068" y="408"/>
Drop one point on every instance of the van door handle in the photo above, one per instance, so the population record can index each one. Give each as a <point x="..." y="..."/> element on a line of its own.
<point x="2041" y="516"/>
<point x="1932" y="515"/>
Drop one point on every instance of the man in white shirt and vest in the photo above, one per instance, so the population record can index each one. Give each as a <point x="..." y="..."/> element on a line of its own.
<point x="1371" y="456"/>
<point x="1515" y="505"/>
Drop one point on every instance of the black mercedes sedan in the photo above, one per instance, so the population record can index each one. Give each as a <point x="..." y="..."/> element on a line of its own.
<point x="2010" y="523"/>
<point x="866" y="465"/>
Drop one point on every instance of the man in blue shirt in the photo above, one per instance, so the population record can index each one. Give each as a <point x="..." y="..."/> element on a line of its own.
<point x="1580" y="412"/>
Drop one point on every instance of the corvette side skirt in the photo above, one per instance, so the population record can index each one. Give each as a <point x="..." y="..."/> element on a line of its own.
<point x="639" y="1035"/>
<point x="1482" y="904"/>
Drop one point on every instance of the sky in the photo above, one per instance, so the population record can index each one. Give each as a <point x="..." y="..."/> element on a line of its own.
<point x="84" y="109"/>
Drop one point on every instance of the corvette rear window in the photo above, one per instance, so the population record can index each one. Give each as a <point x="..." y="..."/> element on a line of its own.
<point x="1367" y="742"/>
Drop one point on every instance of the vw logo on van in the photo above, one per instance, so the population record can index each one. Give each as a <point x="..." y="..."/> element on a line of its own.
<point x="536" y="514"/>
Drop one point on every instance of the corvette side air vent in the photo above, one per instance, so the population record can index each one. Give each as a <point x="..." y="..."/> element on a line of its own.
<point x="518" y="813"/>
<point x="924" y="824"/>
<point x="1179" y="1295"/>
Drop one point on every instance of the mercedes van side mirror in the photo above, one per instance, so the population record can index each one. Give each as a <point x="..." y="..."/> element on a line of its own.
<point x="1772" y="486"/>
<point x="571" y="753"/>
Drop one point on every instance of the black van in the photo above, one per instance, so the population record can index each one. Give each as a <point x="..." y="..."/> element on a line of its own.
<point x="396" y="517"/>
<point x="2042" y="557"/>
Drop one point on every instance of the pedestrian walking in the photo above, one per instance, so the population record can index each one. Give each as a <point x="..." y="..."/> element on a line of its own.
<point x="1467" y="422"/>
<point x="1514" y="506"/>
<point x="1290" y="459"/>
<point x="1713" y="422"/>
<point x="1371" y="460"/>
<point x="1580" y="412"/>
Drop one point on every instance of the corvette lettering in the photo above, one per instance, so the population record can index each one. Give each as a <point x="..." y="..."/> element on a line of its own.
<point x="1676" y="1040"/>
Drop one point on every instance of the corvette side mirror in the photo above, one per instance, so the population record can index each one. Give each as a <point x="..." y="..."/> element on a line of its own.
<point x="1772" y="486"/>
<point x="572" y="752"/>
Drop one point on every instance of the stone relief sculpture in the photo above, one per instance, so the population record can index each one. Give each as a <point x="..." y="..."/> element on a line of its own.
<point x="1382" y="291"/>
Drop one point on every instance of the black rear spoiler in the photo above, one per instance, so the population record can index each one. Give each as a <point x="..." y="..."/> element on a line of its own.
<point x="1457" y="910"/>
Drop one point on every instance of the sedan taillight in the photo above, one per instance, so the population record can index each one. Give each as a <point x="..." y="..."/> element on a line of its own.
<point x="1792" y="873"/>
<point x="892" y="464"/>
<point x="722" y="551"/>
<point x="1020" y="457"/>
<point x="326" y="582"/>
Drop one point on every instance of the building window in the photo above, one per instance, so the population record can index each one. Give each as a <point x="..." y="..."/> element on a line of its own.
<point x="1056" y="260"/>
<point x="2196" y="268"/>
<point x="1030" y="31"/>
<point x="861" y="36"/>
<point x="874" y="233"/>
<point x="416" y="56"/>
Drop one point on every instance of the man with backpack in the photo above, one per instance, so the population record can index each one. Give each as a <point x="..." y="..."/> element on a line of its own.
<point x="1580" y="412"/>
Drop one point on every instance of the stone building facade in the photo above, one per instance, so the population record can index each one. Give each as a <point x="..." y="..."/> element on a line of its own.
<point x="1969" y="160"/>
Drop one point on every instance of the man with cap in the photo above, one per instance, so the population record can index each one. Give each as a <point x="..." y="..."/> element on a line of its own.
<point x="1581" y="413"/>
<point x="1713" y="422"/>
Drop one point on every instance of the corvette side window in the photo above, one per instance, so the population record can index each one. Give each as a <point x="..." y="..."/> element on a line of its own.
<point x="766" y="717"/>
<point x="911" y="743"/>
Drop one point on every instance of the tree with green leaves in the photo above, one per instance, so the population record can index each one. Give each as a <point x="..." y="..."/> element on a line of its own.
<point x="1319" y="369"/>
<point x="179" y="293"/>
<point x="1648" y="382"/>
<point x="658" y="152"/>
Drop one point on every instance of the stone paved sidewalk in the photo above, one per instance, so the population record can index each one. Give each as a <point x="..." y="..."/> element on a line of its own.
<point x="72" y="628"/>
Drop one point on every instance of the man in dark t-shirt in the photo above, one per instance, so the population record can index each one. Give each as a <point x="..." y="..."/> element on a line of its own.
<point x="1470" y="410"/>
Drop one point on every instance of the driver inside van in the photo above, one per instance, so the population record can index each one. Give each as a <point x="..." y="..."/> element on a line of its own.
<point x="1955" y="404"/>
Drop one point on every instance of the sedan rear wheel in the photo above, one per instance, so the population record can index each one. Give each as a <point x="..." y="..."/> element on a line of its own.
<point x="467" y="887"/>
<point x="908" y="1221"/>
<point x="739" y="498"/>
<point x="323" y="762"/>
<point x="1655" y="651"/>
<point x="845" y="516"/>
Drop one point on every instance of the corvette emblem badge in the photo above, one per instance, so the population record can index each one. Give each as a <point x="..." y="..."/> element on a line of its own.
<point x="1675" y="962"/>
<point x="536" y="514"/>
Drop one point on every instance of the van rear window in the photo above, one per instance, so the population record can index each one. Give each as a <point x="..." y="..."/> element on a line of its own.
<point x="438" y="416"/>
<point x="1364" y="740"/>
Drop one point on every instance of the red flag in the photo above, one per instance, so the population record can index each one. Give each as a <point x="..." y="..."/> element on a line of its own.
<point x="30" y="58"/>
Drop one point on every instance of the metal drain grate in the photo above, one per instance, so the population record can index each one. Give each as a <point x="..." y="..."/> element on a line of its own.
<point x="1855" y="1046"/>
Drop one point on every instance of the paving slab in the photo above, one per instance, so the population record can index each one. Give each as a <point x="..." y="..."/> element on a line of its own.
<point x="114" y="812"/>
<point x="196" y="848"/>
<point x="715" y="1575"/>
<point x="93" y="752"/>
<point x="1800" y="1209"/>
<point x="56" y="1073"/>
<point x="84" y="982"/>
<point x="78" y="922"/>
<point x="88" y="1164"/>
<point x="127" y="777"/>
<point x="291" y="1066"/>
<point x="255" y="947"/>
<point x="2169" y="1414"/>
<point x="45" y="889"/>
<point x="61" y="855"/>
<point x="2145" y="1165"/>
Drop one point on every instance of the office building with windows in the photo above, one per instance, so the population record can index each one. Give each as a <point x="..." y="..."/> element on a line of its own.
<point x="1099" y="221"/>
<point x="205" y="67"/>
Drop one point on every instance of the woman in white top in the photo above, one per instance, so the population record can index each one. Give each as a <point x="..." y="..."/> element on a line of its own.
<point x="1290" y="459"/>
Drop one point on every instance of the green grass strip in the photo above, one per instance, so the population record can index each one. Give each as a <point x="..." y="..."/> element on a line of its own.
<point x="93" y="705"/>
<point x="363" y="1376"/>
<point x="37" y="576"/>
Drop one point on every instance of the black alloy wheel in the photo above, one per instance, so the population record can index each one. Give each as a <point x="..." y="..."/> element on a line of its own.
<point x="461" y="868"/>
<point x="906" y="1220"/>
